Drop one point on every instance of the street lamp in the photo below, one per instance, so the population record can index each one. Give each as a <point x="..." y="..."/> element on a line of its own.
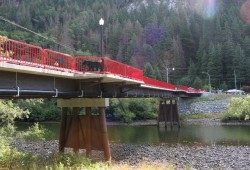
<point x="101" y="23"/>
<point x="168" y="72"/>
<point x="208" y="80"/>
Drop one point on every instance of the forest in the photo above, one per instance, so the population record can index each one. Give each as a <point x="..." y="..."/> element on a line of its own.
<point x="192" y="36"/>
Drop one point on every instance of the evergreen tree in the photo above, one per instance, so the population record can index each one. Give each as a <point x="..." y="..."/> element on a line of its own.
<point x="149" y="71"/>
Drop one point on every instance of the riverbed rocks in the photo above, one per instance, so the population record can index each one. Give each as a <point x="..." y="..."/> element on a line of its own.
<point x="194" y="106"/>
<point x="196" y="156"/>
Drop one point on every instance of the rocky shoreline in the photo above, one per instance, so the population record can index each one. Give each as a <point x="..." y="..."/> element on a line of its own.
<point x="181" y="156"/>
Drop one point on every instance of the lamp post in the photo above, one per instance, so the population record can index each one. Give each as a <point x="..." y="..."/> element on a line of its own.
<point x="168" y="72"/>
<point x="208" y="80"/>
<point x="101" y="23"/>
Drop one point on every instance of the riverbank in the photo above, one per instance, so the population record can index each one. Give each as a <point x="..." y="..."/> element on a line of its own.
<point x="201" y="121"/>
<point x="197" y="156"/>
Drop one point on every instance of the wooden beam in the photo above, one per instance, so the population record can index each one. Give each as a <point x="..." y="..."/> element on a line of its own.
<point x="104" y="134"/>
<point x="88" y="131"/>
<point x="63" y="129"/>
<point x="171" y="114"/>
<point x="76" y="129"/>
<point x="83" y="102"/>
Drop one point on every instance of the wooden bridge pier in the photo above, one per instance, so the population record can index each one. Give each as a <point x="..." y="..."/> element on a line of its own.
<point x="168" y="112"/>
<point x="84" y="131"/>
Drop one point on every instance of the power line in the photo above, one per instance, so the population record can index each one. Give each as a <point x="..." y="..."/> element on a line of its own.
<point x="37" y="34"/>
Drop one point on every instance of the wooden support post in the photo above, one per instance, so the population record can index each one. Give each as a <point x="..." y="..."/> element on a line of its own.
<point x="159" y="114"/>
<point x="160" y="111"/>
<point x="171" y="113"/>
<point x="177" y="113"/>
<point x="168" y="112"/>
<point x="76" y="129"/>
<point x="104" y="134"/>
<point x="164" y="112"/>
<point x="88" y="131"/>
<point x="85" y="131"/>
<point x="63" y="129"/>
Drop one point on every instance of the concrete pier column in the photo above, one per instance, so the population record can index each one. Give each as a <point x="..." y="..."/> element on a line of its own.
<point x="84" y="131"/>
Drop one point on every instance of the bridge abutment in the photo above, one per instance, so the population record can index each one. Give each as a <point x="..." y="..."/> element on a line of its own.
<point x="82" y="129"/>
<point x="168" y="112"/>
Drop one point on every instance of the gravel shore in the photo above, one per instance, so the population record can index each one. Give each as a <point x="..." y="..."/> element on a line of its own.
<point x="183" y="157"/>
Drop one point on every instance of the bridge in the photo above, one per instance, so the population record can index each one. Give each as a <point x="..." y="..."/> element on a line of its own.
<point x="29" y="71"/>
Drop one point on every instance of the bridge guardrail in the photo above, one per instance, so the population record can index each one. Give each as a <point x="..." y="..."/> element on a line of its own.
<point x="106" y="65"/>
<point x="157" y="83"/>
<point x="57" y="61"/>
<point x="124" y="70"/>
<point x="20" y="53"/>
<point x="88" y="64"/>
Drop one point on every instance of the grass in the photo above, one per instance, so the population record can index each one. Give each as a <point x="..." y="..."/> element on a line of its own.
<point x="202" y="116"/>
<point x="79" y="162"/>
<point x="215" y="97"/>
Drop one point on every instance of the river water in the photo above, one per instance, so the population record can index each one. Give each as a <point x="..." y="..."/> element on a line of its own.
<point x="186" y="135"/>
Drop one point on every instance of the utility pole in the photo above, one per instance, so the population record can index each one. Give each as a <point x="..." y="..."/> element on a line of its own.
<point x="235" y="81"/>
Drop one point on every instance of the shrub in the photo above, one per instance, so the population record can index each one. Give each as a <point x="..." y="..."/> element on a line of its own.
<point x="133" y="109"/>
<point x="239" y="108"/>
<point x="10" y="158"/>
<point x="121" y="110"/>
<point x="40" y="109"/>
<point x="35" y="133"/>
<point x="10" y="111"/>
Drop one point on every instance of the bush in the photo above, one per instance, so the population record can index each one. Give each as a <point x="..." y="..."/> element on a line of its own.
<point x="121" y="110"/>
<point x="10" y="111"/>
<point x="36" y="133"/>
<point x="133" y="109"/>
<point x="10" y="158"/>
<point x="40" y="109"/>
<point x="238" y="109"/>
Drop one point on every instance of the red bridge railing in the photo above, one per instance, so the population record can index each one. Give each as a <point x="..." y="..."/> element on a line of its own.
<point x="157" y="83"/>
<point x="20" y="53"/>
<point x="124" y="70"/>
<point x="88" y="64"/>
<point x="106" y="65"/>
<point x="57" y="61"/>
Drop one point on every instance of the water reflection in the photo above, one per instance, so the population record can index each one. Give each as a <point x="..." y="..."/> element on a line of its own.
<point x="188" y="135"/>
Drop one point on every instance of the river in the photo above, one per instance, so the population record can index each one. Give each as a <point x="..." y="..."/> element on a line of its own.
<point x="186" y="135"/>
